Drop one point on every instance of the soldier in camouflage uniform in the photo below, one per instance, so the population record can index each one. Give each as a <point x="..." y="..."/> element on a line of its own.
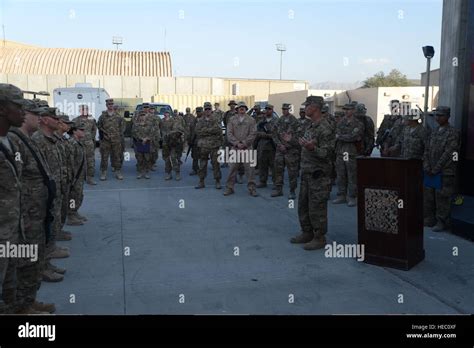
<point x="156" y="139"/>
<point x="386" y="127"/>
<point x="48" y="144"/>
<point x="225" y="119"/>
<point x="34" y="197"/>
<point x="302" y="113"/>
<point x="413" y="139"/>
<point x="209" y="140"/>
<point x="181" y="124"/>
<point x="172" y="133"/>
<point x="11" y="223"/>
<point x="349" y="137"/>
<point x="192" y="140"/>
<point x="285" y="136"/>
<point x="316" y="158"/>
<point x="88" y="141"/>
<point x="188" y="121"/>
<point x="265" y="145"/>
<point x="143" y="134"/>
<point x="369" y="129"/>
<point x="79" y="164"/>
<point x="440" y="158"/>
<point x="111" y="128"/>
<point x="241" y="135"/>
<point x="218" y="114"/>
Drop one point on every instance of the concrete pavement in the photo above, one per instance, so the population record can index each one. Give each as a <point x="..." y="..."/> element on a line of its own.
<point x="182" y="244"/>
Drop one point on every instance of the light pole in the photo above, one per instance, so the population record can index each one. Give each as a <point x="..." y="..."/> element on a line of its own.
<point x="117" y="40"/>
<point x="281" y="48"/>
<point x="428" y="52"/>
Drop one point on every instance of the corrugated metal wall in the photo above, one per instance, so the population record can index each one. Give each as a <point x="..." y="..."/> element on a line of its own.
<point x="182" y="101"/>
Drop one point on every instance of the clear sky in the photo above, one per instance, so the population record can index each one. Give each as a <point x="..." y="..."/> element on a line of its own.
<point x="326" y="40"/>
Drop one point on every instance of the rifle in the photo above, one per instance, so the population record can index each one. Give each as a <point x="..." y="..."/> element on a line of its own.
<point x="190" y="146"/>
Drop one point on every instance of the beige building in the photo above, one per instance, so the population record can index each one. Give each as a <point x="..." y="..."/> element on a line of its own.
<point x="376" y="100"/>
<point x="123" y="74"/>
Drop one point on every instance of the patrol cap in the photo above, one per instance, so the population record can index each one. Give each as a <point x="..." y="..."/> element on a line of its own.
<point x="216" y="104"/>
<point x="232" y="102"/>
<point x="314" y="99"/>
<point x="361" y="108"/>
<point x="269" y="106"/>
<point x="348" y="106"/>
<point x="109" y="101"/>
<point x="443" y="111"/>
<point x="199" y="109"/>
<point x="242" y="105"/>
<point x="32" y="107"/>
<point x="81" y="126"/>
<point x="286" y="106"/>
<point x="411" y="117"/>
<point x="207" y="105"/>
<point x="188" y="109"/>
<point x="65" y="119"/>
<point x="49" y="112"/>
<point x="11" y="93"/>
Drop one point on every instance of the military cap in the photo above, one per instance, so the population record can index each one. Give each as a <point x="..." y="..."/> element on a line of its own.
<point x="348" y="106"/>
<point x="361" y="108"/>
<point x="242" y="104"/>
<point x="216" y="104"/>
<point x="286" y="106"/>
<point x="11" y="93"/>
<point x="207" y="105"/>
<point x="41" y="103"/>
<point x="411" y="117"/>
<point x="325" y="108"/>
<point x="269" y="106"/>
<point x="199" y="109"/>
<point x="443" y="111"/>
<point x="314" y="99"/>
<point x="146" y="105"/>
<point x="81" y="126"/>
<point x="232" y="102"/>
<point x="49" y="112"/>
<point x="64" y="118"/>
<point x="109" y="100"/>
<point x="32" y="107"/>
<point x="188" y="109"/>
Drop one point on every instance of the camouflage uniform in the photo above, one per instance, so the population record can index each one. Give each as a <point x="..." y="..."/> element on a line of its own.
<point x="393" y="138"/>
<point x="144" y="126"/>
<point x="111" y="128"/>
<point x="265" y="148"/>
<point x="316" y="167"/>
<point x="156" y="138"/>
<point x="10" y="221"/>
<point x="289" y="158"/>
<point x="412" y="142"/>
<point x="48" y="145"/>
<point x="67" y="175"/>
<point x="209" y="140"/>
<point x="192" y="142"/>
<point x="34" y="199"/>
<point x="172" y="131"/>
<point x="78" y="159"/>
<point x="180" y="124"/>
<point x="88" y="142"/>
<point x="349" y="135"/>
<point x="438" y="159"/>
<point x="369" y="130"/>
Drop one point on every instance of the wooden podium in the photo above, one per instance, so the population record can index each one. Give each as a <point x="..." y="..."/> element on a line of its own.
<point x="390" y="211"/>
